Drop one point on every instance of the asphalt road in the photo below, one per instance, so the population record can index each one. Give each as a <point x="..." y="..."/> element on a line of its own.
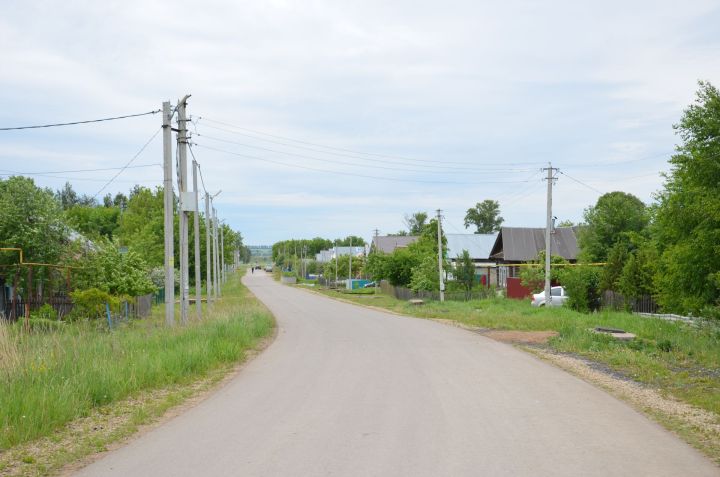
<point x="349" y="391"/>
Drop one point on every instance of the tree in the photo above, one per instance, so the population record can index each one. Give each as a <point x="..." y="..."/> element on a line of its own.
<point x="612" y="220"/>
<point x="119" y="274"/>
<point x="142" y="225"/>
<point x="94" y="222"/>
<point x="566" y="223"/>
<point x="533" y="276"/>
<point x="416" y="222"/>
<point x="687" y="221"/>
<point x="465" y="272"/>
<point x="582" y="284"/>
<point x="424" y="276"/>
<point x="485" y="216"/>
<point x="69" y="198"/>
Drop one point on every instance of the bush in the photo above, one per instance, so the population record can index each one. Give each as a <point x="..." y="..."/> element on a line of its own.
<point x="582" y="284"/>
<point x="90" y="304"/>
<point x="45" y="312"/>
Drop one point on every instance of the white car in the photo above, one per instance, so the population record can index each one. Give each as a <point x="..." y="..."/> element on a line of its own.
<point x="558" y="297"/>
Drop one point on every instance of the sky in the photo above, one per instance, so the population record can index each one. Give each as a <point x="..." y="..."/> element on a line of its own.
<point x="332" y="118"/>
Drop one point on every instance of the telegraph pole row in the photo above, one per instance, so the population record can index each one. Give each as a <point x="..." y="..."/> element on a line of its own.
<point x="188" y="202"/>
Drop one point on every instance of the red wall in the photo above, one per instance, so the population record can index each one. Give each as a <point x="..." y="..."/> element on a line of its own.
<point x="516" y="290"/>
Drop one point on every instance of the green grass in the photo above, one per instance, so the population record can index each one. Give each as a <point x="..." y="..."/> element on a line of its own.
<point x="679" y="359"/>
<point x="61" y="376"/>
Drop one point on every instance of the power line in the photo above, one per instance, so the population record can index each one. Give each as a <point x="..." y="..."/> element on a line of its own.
<point x="202" y="180"/>
<point x="352" y="174"/>
<point x="80" y="122"/>
<point x="79" y="170"/>
<point x="582" y="183"/>
<point x="386" y="156"/>
<point x="129" y="162"/>
<point x="87" y="179"/>
<point x="443" y="169"/>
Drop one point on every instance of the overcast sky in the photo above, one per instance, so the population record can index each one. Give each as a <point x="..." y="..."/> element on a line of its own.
<point x="330" y="118"/>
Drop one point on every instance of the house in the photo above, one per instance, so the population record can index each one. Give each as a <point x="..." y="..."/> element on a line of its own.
<point x="330" y="254"/>
<point x="515" y="246"/>
<point x="388" y="243"/>
<point x="479" y="247"/>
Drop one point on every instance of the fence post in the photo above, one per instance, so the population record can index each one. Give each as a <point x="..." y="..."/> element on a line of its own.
<point x="107" y="310"/>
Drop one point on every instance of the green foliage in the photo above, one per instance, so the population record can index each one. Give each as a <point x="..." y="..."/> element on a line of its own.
<point x="415" y="222"/>
<point x="582" y="284"/>
<point x="400" y="265"/>
<point x="358" y="264"/>
<point x="30" y="219"/>
<point x="67" y="197"/>
<point x="533" y="276"/>
<point x="638" y="273"/>
<point x="687" y="222"/>
<point x="613" y="269"/>
<point x="610" y="221"/>
<point x="465" y="272"/>
<point x="94" y="222"/>
<point x="90" y="304"/>
<point x="45" y="312"/>
<point x="425" y="275"/>
<point x="142" y="226"/>
<point x="115" y="273"/>
<point x="485" y="216"/>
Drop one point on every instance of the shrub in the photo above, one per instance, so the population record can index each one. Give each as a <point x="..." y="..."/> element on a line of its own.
<point x="45" y="312"/>
<point x="90" y="304"/>
<point x="582" y="284"/>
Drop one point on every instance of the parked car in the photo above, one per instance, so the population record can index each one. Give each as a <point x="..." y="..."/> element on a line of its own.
<point x="268" y="268"/>
<point x="558" y="297"/>
<point x="370" y="285"/>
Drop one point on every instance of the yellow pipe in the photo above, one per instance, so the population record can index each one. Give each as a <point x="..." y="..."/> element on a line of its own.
<point x="37" y="264"/>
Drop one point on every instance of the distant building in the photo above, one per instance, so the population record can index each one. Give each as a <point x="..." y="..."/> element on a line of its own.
<point x="388" y="243"/>
<point x="478" y="247"/>
<point x="329" y="254"/>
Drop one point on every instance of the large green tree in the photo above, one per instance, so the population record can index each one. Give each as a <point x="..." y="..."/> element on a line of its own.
<point x="613" y="219"/>
<point x="415" y="222"/>
<point x="485" y="216"/>
<point x="687" y="225"/>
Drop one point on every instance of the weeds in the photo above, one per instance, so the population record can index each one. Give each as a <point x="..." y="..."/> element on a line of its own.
<point x="60" y="376"/>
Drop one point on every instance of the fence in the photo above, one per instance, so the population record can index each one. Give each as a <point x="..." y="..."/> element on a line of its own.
<point x="402" y="293"/>
<point x="137" y="307"/>
<point x="616" y="301"/>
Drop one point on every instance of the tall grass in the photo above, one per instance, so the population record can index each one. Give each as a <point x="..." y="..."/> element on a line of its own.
<point x="61" y="376"/>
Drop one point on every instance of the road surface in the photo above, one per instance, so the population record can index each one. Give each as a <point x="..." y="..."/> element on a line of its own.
<point x="350" y="391"/>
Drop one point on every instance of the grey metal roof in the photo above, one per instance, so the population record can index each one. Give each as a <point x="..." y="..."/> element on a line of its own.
<point x="522" y="244"/>
<point x="477" y="245"/>
<point x="388" y="243"/>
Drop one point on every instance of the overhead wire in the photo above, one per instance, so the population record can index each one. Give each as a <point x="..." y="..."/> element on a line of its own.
<point x="114" y="118"/>
<point x="78" y="170"/>
<point x="581" y="183"/>
<point x="340" y="149"/>
<point x="435" y="169"/>
<point x="352" y="174"/>
<point x="137" y="154"/>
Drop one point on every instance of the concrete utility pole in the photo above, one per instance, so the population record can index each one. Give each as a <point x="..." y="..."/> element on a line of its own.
<point x="350" y="266"/>
<point x="169" y="206"/>
<point x="548" y="225"/>
<point x="336" y="262"/>
<point x="218" y="290"/>
<point x="208" y="250"/>
<point x="196" y="254"/>
<point x="185" y="206"/>
<point x="440" y="256"/>
<point x="222" y="253"/>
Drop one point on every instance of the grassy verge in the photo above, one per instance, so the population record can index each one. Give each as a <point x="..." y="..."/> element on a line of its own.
<point x="57" y="378"/>
<point x="680" y="360"/>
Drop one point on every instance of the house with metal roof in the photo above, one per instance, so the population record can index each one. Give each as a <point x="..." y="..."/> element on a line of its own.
<point x="518" y="245"/>
<point x="388" y="243"/>
<point x="479" y="247"/>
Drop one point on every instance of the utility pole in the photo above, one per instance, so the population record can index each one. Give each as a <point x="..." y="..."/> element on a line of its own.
<point x="440" y="256"/>
<point x="222" y="253"/>
<point x="350" y="265"/>
<point x="377" y="233"/>
<point x="218" y="290"/>
<point x="336" y="263"/>
<point x="185" y="206"/>
<point x="208" y="250"/>
<point x="169" y="206"/>
<point x="548" y="224"/>
<point x="196" y="254"/>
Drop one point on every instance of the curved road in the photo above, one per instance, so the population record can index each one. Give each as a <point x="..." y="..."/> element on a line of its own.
<point x="349" y="391"/>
